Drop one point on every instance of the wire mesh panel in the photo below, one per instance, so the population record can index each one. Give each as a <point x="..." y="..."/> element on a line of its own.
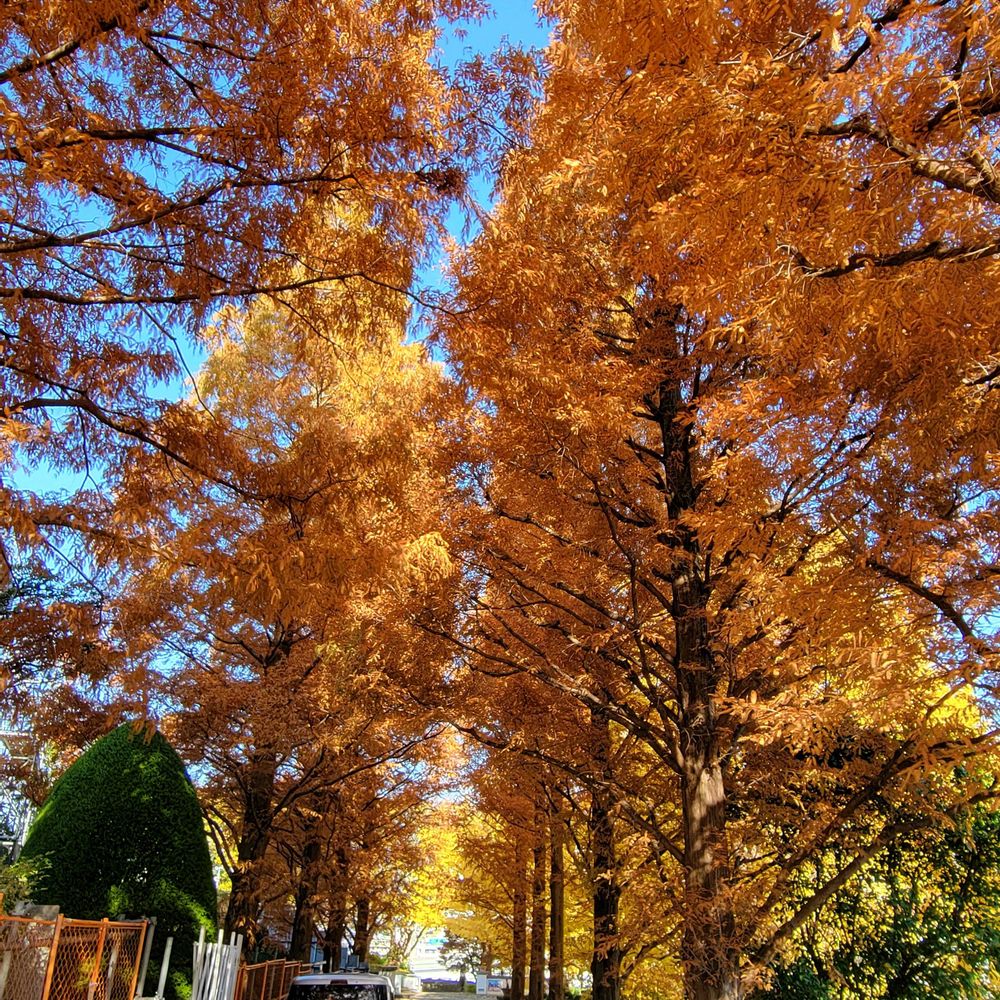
<point x="291" y="970"/>
<point x="77" y="968"/>
<point x="252" y="982"/>
<point x="274" y="971"/>
<point x="122" y="956"/>
<point x="25" y="946"/>
<point x="96" y="960"/>
<point x="69" y="959"/>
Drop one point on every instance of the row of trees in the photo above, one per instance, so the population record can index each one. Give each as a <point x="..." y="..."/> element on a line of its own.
<point x="730" y="326"/>
<point x="597" y="901"/>
<point x="696" y="536"/>
<point x="258" y="616"/>
<point x="240" y="551"/>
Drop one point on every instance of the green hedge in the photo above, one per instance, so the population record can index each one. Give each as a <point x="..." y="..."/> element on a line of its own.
<point x="123" y="837"/>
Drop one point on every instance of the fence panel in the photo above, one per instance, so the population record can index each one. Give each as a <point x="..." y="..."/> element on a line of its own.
<point x="292" y="969"/>
<point x="216" y="970"/>
<point x="251" y="981"/>
<point x="267" y="980"/>
<point x="275" y="969"/>
<point x="77" y="961"/>
<point x="69" y="959"/>
<point x="25" y="947"/>
<point x="123" y="951"/>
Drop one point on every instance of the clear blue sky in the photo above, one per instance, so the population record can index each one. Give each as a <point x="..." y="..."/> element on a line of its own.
<point x="512" y="21"/>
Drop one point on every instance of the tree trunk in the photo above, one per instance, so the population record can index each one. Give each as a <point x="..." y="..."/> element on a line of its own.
<point x="255" y="835"/>
<point x="605" y="965"/>
<point x="536" y="976"/>
<point x="304" y="922"/>
<point x="557" y="904"/>
<point x="362" y="929"/>
<point x="708" y="950"/>
<point x="334" y="939"/>
<point x="711" y="960"/>
<point x="520" y="923"/>
<point x="337" y="924"/>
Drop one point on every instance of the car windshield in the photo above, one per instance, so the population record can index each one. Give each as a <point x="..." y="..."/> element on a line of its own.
<point x="337" y="991"/>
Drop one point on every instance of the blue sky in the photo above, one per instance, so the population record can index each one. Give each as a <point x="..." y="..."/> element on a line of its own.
<point x="514" y="21"/>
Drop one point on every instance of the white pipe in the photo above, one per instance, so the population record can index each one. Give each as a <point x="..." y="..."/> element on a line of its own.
<point x="164" y="968"/>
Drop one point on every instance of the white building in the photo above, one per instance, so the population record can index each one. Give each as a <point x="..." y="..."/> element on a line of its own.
<point x="425" y="959"/>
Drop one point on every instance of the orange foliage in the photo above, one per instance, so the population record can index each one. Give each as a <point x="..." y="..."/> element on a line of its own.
<point x="732" y="329"/>
<point x="728" y="484"/>
<point x="163" y="158"/>
<point x="258" y="601"/>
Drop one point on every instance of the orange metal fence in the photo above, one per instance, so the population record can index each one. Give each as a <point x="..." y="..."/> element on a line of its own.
<point x="266" y="980"/>
<point x="65" y="959"/>
<point x="25" y="946"/>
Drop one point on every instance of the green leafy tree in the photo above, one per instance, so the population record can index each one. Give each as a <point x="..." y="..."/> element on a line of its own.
<point x="923" y="921"/>
<point x="123" y="837"/>
<point x="17" y="878"/>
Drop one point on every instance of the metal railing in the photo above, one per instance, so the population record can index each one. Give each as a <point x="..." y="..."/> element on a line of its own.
<point x="267" y="980"/>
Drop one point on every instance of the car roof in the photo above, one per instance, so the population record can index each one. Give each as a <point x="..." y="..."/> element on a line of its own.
<point x="341" y="978"/>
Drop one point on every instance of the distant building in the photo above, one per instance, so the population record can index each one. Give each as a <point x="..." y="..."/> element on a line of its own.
<point x="425" y="959"/>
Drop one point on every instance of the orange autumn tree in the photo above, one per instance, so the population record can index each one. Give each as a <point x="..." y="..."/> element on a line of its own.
<point x="54" y="654"/>
<point x="258" y="599"/>
<point x="164" y="158"/>
<point x="732" y="328"/>
<point x="346" y="854"/>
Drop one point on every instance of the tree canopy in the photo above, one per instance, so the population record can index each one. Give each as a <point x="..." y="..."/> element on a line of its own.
<point x="681" y="563"/>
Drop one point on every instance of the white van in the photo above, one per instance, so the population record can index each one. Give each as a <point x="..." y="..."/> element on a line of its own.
<point x="341" y="986"/>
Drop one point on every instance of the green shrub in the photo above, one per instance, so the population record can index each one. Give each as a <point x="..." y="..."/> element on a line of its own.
<point x="123" y="837"/>
<point x="17" y="879"/>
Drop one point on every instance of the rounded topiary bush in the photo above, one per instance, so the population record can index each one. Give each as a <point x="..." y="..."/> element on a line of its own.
<point x="122" y="836"/>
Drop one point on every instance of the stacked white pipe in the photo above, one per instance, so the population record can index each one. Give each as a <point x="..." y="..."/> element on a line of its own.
<point x="216" y="966"/>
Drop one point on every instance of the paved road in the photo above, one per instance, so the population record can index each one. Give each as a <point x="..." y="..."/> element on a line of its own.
<point x="438" y="996"/>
